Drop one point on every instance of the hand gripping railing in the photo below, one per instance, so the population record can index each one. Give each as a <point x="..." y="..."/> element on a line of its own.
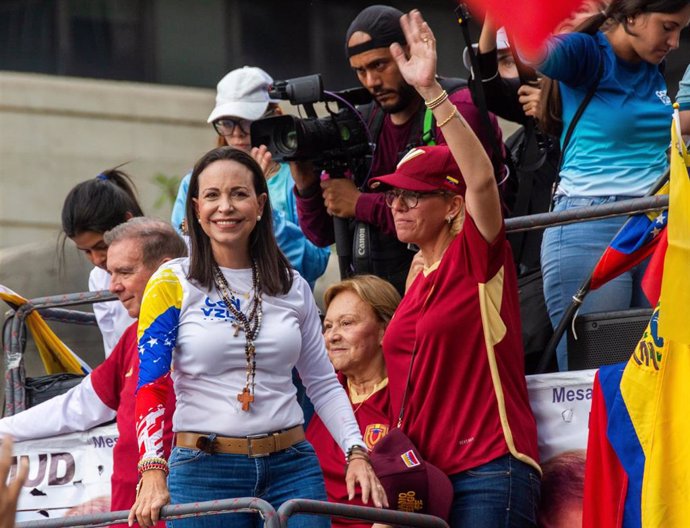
<point x="332" y="509"/>
<point x="168" y="513"/>
<point x="15" y="375"/>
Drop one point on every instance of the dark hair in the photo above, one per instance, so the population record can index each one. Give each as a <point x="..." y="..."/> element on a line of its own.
<point x="273" y="266"/>
<point x="618" y="12"/>
<point x="99" y="204"/>
<point x="158" y="239"/>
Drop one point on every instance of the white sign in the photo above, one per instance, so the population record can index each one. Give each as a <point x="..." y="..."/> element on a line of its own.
<point x="68" y="475"/>
<point x="561" y="402"/>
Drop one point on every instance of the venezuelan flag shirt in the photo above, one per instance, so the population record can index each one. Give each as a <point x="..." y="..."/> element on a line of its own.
<point x="186" y="332"/>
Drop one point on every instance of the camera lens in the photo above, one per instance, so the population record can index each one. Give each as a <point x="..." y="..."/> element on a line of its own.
<point x="289" y="139"/>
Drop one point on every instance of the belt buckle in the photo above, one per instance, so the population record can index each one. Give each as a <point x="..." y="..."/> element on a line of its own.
<point x="250" y="451"/>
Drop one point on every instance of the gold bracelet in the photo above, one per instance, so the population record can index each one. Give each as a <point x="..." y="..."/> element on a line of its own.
<point x="437" y="100"/>
<point x="448" y="119"/>
<point x="153" y="463"/>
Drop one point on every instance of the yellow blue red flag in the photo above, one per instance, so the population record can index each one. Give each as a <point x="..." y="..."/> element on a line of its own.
<point x="633" y="243"/>
<point x="647" y="417"/>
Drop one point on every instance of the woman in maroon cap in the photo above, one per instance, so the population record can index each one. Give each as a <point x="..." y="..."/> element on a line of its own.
<point x="457" y="330"/>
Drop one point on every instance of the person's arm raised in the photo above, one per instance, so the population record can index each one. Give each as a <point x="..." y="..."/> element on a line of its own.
<point x="418" y="68"/>
<point x="487" y="38"/>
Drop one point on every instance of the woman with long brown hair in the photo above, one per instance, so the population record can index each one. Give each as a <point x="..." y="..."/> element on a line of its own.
<point x="228" y="324"/>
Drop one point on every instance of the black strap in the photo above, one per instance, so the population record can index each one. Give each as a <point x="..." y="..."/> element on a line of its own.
<point x="580" y="110"/>
<point x="414" y="353"/>
<point x="479" y="98"/>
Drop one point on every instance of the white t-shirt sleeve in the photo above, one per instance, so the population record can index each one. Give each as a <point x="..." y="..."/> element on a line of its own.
<point x="78" y="409"/>
<point x="317" y="373"/>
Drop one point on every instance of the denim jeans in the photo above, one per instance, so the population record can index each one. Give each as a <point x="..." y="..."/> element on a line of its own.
<point x="503" y="493"/>
<point x="568" y="256"/>
<point x="197" y="476"/>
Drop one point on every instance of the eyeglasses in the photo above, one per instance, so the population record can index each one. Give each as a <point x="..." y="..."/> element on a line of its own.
<point x="226" y="126"/>
<point x="409" y="199"/>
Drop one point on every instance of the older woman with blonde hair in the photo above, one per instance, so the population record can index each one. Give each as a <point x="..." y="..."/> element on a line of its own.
<point x="358" y="311"/>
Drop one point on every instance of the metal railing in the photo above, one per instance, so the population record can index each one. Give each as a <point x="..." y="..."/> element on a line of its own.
<point x="331" y="509"/>
<point x="14" y="337"/>
<point x="168" y="513"/>
<point x="271" y="518"/>
<point x="589" y="213"/>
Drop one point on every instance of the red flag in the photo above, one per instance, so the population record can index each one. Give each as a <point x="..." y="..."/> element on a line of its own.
<point x="606" y="483"/>
<point x="528" y="22"/>
<point x="651" y="282"/>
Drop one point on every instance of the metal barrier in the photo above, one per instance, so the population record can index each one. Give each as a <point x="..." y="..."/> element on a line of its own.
<point x="331" y="509"/>
<point x="170" y="512"/>
<point x="584" y="214"/>
<point x="271" y="518"/>
<point x="14" y="340"/>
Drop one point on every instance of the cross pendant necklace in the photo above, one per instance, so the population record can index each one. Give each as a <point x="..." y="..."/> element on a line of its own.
<point x="250" y="324"/>
<point x="245" y="397"/>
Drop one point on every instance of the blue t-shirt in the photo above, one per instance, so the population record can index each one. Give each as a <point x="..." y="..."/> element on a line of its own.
<point x="683" y="97"/>
<point x="618" y="147"/>
<point x="307" y="258"/>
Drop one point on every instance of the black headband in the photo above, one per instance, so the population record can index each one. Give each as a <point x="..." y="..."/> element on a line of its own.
<point x="381" y="23"/>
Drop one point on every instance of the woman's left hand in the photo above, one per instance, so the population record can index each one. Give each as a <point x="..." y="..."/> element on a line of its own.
<point x="418" y="67"/>
<point x="359" y="471"/>
<point x="264" y="158"/>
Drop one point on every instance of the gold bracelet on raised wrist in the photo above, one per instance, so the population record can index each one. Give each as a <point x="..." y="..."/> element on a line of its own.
<point x="448" y="119"/>
<point x="436" y="101"/>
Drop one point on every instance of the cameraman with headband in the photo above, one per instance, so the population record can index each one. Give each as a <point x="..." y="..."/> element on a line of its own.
<point x="397" y="122"/>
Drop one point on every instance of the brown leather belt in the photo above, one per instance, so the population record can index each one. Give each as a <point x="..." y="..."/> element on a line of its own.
<point x="253" y="446"/>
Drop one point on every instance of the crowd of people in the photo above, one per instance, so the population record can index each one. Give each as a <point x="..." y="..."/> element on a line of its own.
<point x="216" y="354"/>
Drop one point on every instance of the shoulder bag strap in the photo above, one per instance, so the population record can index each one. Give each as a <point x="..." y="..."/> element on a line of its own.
<point x="576" y="118"/>
<point x="414" y="353"/>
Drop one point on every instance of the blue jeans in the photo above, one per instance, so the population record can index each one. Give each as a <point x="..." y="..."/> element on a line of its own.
<point x="568" y="256"/>
<point x="197" y="476"/>
<point x="503" y="493"/>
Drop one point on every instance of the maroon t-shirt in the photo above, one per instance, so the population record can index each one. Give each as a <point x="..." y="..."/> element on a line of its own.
<point x="372" y="417"/>
<point x="115" y="381"/>
<point x="467" y="402"/>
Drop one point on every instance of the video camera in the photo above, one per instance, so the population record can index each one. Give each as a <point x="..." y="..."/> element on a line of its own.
<point x="339" y="139"/>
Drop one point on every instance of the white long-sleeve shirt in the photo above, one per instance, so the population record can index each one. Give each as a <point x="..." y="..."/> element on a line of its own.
<point x="189" y="329"/>
<point x="78" y="409"/>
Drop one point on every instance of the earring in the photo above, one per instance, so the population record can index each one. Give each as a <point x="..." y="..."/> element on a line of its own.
<point x="631" y="20"/>
<point x="258" y="218"/>
<point x="449" y="219"/>
<point x="198" y="219"/>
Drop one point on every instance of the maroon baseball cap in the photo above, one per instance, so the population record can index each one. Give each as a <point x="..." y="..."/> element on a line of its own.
<point x="424" y="169"/>
<point x="411" y="484"/>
